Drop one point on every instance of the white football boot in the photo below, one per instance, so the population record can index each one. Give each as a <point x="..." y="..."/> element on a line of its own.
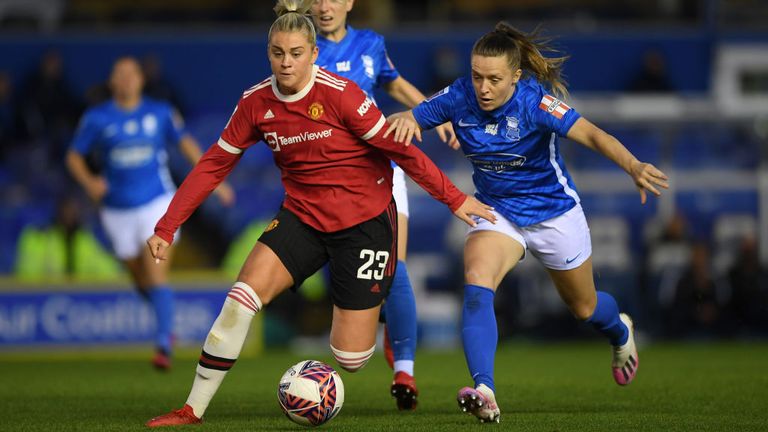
<point x="625" y="360"/>
<point x="480" y="402"/>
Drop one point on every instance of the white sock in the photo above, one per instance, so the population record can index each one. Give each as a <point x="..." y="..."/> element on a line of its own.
<point x="404" y="366"/>
<point x="223" y="345"/>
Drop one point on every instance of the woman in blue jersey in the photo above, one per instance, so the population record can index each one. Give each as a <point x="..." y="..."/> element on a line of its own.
<point x="130" y="133"/>
<point x="361" y="56"/>
<point x="507" y="122"/>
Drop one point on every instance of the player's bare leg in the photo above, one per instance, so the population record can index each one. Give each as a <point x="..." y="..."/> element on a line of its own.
<point x="353" y="336"/>
<point x="577" y="289"/>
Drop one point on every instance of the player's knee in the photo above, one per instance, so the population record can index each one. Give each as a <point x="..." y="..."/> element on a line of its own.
<point x="352" y="361"/>
<point x="582" y="310"/>
<point x="244" y="296"/>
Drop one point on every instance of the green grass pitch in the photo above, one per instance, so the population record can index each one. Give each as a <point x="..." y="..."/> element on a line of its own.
<point x="558" y="387"/>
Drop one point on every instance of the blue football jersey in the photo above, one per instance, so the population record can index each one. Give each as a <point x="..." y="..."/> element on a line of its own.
<point x="361" y="56"/>
<point x="132" y="148"/>
<point x="514" y="149"/>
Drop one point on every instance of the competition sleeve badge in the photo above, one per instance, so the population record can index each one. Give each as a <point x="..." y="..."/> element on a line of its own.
<point x="315" y="111"/>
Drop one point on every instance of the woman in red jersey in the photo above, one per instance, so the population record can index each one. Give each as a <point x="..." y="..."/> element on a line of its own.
<point x="328" y="139"/>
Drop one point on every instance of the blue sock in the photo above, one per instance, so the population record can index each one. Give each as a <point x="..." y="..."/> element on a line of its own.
<point x="606" y="320"/>
<point x="400" y="314"/>
<point x="161" y="298"/>
<point x="479" y="333"/>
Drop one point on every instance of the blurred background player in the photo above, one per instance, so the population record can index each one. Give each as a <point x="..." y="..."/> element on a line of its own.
<point x="361" y="56"/>
<point x="128" y="136"/>
<point x="329" y="142"/>
<point x="508" y="124"/>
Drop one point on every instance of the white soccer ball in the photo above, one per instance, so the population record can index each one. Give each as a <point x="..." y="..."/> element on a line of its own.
<point x="310" y="393"/>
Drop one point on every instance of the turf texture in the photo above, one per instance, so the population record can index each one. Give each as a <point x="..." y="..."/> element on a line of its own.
<point x="558" y="387"/>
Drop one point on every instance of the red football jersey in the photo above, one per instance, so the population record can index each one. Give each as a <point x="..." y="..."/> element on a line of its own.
<point x="327" y="141"/>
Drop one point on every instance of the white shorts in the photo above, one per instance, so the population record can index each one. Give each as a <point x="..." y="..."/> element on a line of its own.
<point x="129" y="229"/>
<point x="560" y="243"/>
<point x="400" y="191"/>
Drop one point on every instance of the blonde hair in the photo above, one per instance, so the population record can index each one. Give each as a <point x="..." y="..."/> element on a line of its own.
<point x="524" y="51"/>
<point x="292" y="17"/>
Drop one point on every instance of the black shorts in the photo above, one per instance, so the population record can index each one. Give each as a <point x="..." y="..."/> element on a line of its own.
<point x="361" y="258"/>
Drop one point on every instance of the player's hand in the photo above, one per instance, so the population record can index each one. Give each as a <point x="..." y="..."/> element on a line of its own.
<point x="648" y="178"/>
<point x="447" y="135"/>
<point x="158" y="248"/>
<point x="404" y="127"/>
<point x="97" y="188"/>
<point x="226" y="194"/>
<point x="473" y="207"/>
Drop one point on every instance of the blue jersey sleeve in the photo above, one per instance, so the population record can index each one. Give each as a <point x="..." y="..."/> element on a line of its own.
<point x="388" y="72"/>
<point x="173" y="126"/>
<point x="436" y="109"/>
<point x="87" y="134"/>
<point x="551" y="114"/>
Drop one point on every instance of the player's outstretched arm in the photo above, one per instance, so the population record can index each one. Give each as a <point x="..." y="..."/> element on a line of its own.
<point x="646" y="176"/>
<point x="404" y="127"/>
<point x="404" y="92"/>
<point x="473" y="207"/>
<point x="190" y="148"/>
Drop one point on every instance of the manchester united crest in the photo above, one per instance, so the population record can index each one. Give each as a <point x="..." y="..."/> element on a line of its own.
<point x="315" y="110"/>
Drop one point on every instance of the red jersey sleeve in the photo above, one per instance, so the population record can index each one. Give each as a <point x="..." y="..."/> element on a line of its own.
<point x="210" y="170"/>
<point x="363" y="118"/>
<point x="240" y="131"/>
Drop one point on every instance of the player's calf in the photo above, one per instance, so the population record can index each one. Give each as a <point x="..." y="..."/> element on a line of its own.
<point x="352" y="361"/>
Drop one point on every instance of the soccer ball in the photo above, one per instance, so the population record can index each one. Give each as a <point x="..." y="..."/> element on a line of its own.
<point x="310" y="393"/>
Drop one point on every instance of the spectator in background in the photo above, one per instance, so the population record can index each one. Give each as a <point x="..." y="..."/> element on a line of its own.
<point x="652" y="77"/>
<point x="447" y="66"/>
<point x="48" y="107"/>
<point x="697" y="309"/>
<point x="666" y="256"/>
<point x="7" y="115"/>
<point x="155" y="84"/>
<point x="64" y="248"/>
<point x="749" y="289"/>
<point x="132" y="133"/>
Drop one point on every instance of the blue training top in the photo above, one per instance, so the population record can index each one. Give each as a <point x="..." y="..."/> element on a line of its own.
<point x="361" y="56"/>
<point x="132" y="145"/>
<point x="514" y="149"/>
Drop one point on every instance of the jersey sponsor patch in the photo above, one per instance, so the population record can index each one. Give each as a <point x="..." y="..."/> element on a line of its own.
<point x="497" y="162"/>
<point x="276" y="142"/>
<point x="554" y="106"/>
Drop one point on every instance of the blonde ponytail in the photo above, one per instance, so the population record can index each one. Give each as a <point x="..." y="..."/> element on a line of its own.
<point x="292" y="17"/>
<point x="524" y="51"/>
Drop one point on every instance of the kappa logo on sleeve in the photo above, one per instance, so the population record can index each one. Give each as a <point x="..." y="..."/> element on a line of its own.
<point x="365" y="106"/>
<point x="554" y="106"/>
